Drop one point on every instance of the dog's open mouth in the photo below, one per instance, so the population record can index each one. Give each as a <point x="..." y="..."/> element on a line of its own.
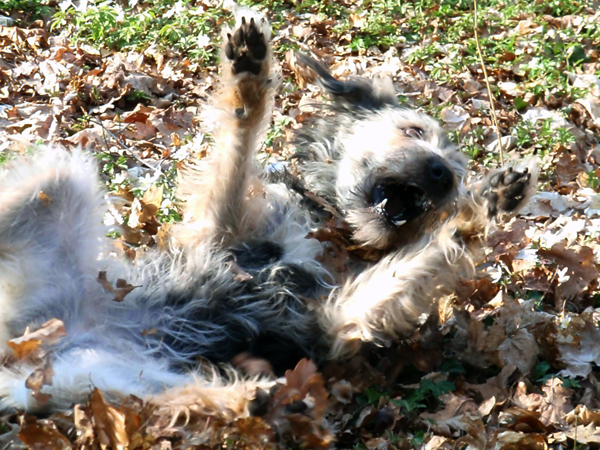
<point x="399" y="202"/>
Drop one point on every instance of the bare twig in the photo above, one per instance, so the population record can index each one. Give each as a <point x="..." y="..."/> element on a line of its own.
<point x="487" y="83"/>
<point x="129" y="150"/>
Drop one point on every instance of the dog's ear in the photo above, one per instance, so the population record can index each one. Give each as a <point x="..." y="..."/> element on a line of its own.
<point x="356" y="92"/>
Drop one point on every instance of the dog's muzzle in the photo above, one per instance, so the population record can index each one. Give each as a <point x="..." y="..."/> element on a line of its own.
<point x="401" y="201"/>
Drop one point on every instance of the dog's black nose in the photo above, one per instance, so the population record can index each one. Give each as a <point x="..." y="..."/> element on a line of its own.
<point x="439" y="174"/>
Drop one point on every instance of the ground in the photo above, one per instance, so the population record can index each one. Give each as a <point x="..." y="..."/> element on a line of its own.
<point x="515" y="364"/>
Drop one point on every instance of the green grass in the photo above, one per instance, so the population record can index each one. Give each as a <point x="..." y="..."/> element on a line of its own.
<point x="540" y="61"/>
<point x="434" y="36"/>
<point x="176" y="25"/>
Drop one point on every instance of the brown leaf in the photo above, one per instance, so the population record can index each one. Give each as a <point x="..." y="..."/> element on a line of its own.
<point x="42" y="435"/>
<point x="509" y="440"/>
<point x="302" y="381"/>
<point x="475" y="434"/>
<point x="553" y="405"/>
<point x="578" y="345"/>
<point x="583" y="416"/>
<point x="494" y="387"/>
<point x="49" y="333"/>
<point x="519" y="349"/>
<point x="83" y="425"/>
<point x="580" y="264"/>
<point x="449" y="418"/>
<point x="143" y="212"/>
<point x="38" y="379"/>
<point x="108" y="423"/>
<point x="584" y="434"/>
<point x="122" y="287"/>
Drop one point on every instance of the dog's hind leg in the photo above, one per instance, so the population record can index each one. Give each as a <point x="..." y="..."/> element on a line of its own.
<point x="217" y="198"/>
<point x="50" y="237"/>
<point x="125" y="371"/>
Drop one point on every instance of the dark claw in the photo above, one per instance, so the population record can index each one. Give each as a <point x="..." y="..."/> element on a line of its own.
<point x="254" y="36"/>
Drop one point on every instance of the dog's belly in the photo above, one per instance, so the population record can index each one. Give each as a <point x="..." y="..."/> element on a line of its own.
<point x="258" y="305"/>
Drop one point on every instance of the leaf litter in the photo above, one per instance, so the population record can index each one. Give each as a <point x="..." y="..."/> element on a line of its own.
<point x="514" y="364"/>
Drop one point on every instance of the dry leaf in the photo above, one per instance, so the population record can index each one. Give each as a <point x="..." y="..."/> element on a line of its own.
<point x="42" y="435"/>
<point x="38" y="379"/>
<point x="49" y="333"/>
<point x="122" y="287"/>
<point x="108" y="423"/>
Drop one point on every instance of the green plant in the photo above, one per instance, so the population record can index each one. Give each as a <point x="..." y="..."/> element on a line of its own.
<point x="179" y="25"/>
<point x="33" y="9"/>
<point x="418" y="398"/>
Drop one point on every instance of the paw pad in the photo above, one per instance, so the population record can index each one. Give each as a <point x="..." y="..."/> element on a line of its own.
<point x="505" y="190"/>
<point x="246" y="48"/>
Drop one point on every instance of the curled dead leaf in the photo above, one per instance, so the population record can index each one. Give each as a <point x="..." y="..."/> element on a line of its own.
<point x="38" y="379"/>
<point x="122" y="287"/>
<point x="49" y="333"/>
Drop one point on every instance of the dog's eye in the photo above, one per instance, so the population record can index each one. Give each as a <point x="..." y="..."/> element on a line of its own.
<point x="414" y="132"/>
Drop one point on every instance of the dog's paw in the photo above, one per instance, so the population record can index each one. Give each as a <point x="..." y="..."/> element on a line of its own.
<point x="506" y="189"/>
<point x="246" y="48"/>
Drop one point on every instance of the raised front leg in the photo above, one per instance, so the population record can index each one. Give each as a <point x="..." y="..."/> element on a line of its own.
<point x="217" y="196"/>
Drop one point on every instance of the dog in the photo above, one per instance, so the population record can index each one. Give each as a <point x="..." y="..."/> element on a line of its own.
<point x="247" y="270"/>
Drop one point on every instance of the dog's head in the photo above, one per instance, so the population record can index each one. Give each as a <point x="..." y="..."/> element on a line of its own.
<point x="397" y="177"/>
<point x="390" y="170"/>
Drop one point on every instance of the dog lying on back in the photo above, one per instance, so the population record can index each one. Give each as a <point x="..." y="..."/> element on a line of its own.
<point x="245" y="271"/>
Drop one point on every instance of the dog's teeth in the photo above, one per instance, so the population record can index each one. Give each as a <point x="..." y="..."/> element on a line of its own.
<point x="399" y="223"/>
<point x="379" y="206"/>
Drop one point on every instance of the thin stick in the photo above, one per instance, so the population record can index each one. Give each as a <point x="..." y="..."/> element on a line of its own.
<point x="125" y="147"/>
<point x="487" y="83"/>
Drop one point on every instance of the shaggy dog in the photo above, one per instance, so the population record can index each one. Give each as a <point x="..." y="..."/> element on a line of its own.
<point x="250" y="269"/>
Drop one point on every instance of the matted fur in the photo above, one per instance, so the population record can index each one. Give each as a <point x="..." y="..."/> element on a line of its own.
<point x="243" y="271"/>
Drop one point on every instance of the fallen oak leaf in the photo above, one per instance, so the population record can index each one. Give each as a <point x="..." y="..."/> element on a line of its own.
<point x="581" y="415"/>
<point x="589" y="434"/>
<point x="552" y="406"/>
<point x="83" y="424"/>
